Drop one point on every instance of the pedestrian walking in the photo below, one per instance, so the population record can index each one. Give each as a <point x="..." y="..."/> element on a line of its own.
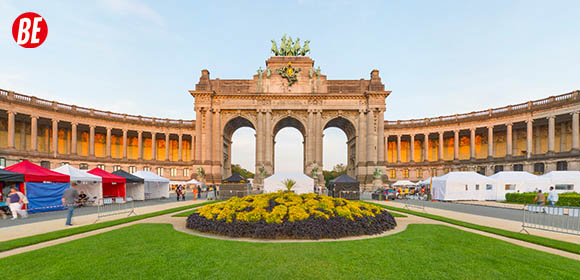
<point x="16" y="200"/>
<point x="552" y="197"/>
<point x="69" y="198"/>
<point x="178" y="191"/>
<point x="198" y="191"/>
<point x="194" y="193"/>
<point x="540" y="198"/>
<point x="183" y="191"/>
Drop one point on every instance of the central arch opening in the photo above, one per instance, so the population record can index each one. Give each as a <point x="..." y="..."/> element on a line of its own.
<point x="239" y="147"/>
<point x="339" y="147"/>
<point x="289" y="145"/>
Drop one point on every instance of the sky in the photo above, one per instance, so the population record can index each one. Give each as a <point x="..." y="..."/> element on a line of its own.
<point x="437" y="57"/>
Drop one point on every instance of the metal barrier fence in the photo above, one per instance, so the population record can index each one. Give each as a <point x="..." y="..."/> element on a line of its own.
<point x="112" y="206"/>
<point x="408" y="205"/>
<point x="350" y="195"/>
<point x="557" y="219"/>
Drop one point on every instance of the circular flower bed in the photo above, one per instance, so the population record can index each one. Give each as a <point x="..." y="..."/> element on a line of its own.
<point x="286" y="215"/>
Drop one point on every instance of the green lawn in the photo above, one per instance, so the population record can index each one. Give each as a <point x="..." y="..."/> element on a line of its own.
<point x="156" y="251"/>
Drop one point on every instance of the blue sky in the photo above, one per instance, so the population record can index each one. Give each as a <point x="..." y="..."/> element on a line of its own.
<point x="438" y="57"/>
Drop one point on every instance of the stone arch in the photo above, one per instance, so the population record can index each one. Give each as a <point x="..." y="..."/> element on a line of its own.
<point x="349" y="128"/>
<point x="289" y="121"/>
<point x="234" y="123"/>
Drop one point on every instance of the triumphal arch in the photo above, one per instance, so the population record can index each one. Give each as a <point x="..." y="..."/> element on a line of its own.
<point x="291" y="91"/>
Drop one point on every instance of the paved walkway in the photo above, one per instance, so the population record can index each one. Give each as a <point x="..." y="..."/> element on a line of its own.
<point x="29" y="229"/>
<point x="179" y="225"/>
<point x="480" y="210"/>
<point x="493" y="204"/>
<point x="506" y="224"/>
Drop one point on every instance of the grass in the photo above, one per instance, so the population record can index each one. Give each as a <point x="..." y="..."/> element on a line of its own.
<point x="147" y="251"/>
<point x="552" y="243"/>
<point x="31" y="240"/>
<point x="397" y="215"/>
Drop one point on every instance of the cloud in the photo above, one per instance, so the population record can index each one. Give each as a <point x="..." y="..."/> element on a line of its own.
<point x="136" y="8"/>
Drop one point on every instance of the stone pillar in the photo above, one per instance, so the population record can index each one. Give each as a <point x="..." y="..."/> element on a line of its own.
<point x="551" y="133"/>
<point x="92" y="140"/>
<point x="490" y="141"/>
<point x="361" y="138"/>
<point x="426" y="147"/>
<point x="440" y="156"/>
<point x="319" y="136"/>
<point x="575" y="132"/>
<point x="192" y="155"/>
<point x="74" y="138"/>
<point x="371" y="153"/>
<point x="456" y="144"/>
<point x="11" y="128"/>
<point x="217" y="144"/>
<point x="472" y="142"/>
<point x="529" y="137"/>
<point x="139" y="145"/>
<point x="33" y="133"/>
<point x="412" y="153"/>
<point x="196" y="141"/>
<point x="399" y="148"/>
<point x="259" y="144"/>
<point x="153" y="146"/>
<point x="167" y="146"/>
<point x="308" y="156"/>
<point x="381" y="138"/>
<point x="55" y="137"/>
<point x="563" y="132"/>
<point x="206" y="148"/>
<point x="108" y="142"/>
<point x="179" y="147"/>
<point x="509" y="140"/>
<point x="124" y="143"/>
<point x="270" y="141"/>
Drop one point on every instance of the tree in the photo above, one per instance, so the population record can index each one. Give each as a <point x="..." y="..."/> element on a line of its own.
<point x="236" y="168"/>
<point x="337" y="170"/>
<point x="289" y="184"/>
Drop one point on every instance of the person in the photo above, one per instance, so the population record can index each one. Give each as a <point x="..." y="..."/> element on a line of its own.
<point x="69" y="197"/>
<point x="552" y="197"/>
<point x="183" y="191"/>
<point x="194" y="193"/>
<point x="178" y="191"/>
<point x="3" y="207"/>
<point x="406" y="192"/>
<point x="210" y="193"/>
<point x="16" y="200"/>
<point x="540" y="198"/>
<point x="83" y="198"/>
<point x="198" y="191"/>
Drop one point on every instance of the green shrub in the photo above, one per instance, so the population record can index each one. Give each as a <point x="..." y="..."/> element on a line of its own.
<point x="565" y="199"/>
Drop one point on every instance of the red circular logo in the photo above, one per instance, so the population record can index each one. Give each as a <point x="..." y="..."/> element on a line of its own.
<point x="29" y="30"/>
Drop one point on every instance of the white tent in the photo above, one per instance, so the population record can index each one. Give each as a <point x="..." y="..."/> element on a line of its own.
<point x="155" y="185"/>
<point x="304" y="184"/>
<point x="466" y="185"/>
<point x="403" y="183"/>
<point x="514" y="181"/>
<point x="564" y="181"/>
<point x="425" y="182"/>
<point x="193" y="182"/>
<point x="88" y="183"/>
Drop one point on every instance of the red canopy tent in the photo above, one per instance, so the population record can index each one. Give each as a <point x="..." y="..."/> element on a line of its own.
<point x="43" y="187"/>
<point x="113" y="185"/>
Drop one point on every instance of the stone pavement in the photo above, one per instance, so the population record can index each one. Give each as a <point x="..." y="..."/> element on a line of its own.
<point x="506" y="224"/>
<point x="29" y="229"/>
<point x="493" y="204"/>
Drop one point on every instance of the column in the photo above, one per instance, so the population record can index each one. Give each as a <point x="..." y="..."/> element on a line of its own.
<point x="167" y="146"/>
<point x="10" y="129"/>
<point x="490" y="141"/>
<point x="217" y="139"/>
<point x="309" y="155"/>
<point x="529" y="136"/>
<point x="399" y="148"/>
<point x="180" y="142"/>
<point x="206" y="138"/>
<point x="412" y="153"/>
<point x="440" y="156"/>
<point x="361" y="137"/>
<point x="124" y="143"/>
<point x="192" y="155"/>
<point x="92" y="140"/>
<point x="575" y="132"/>
<point x="259" y="145"/>
<point x="153" y="146"/>
<point x="456" y="144"/>
<point x="108" y="140"/>
<point x="509" y="140"/>
<point x="139" y="144"/>
<point x="55" y="136"/>
<point x="33" y="133"/>
<point x="196" y="141"/>
<point x="381" y="138"/>
<point x="371" y="153"/>
<point x="472" y="142"/>
<point x="551" y="133"/>
<point x="426" y="148"/>
<point x="319" y="136"/>
<point x="268" y="139"/>
<point x="74" y="138"/>
<point x="563" y="130"/>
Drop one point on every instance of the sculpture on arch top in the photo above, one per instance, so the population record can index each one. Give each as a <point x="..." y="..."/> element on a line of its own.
<point x="288" y="47"/>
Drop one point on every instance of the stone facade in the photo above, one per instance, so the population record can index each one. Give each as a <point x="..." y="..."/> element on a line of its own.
<point x="536" y="136"/>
